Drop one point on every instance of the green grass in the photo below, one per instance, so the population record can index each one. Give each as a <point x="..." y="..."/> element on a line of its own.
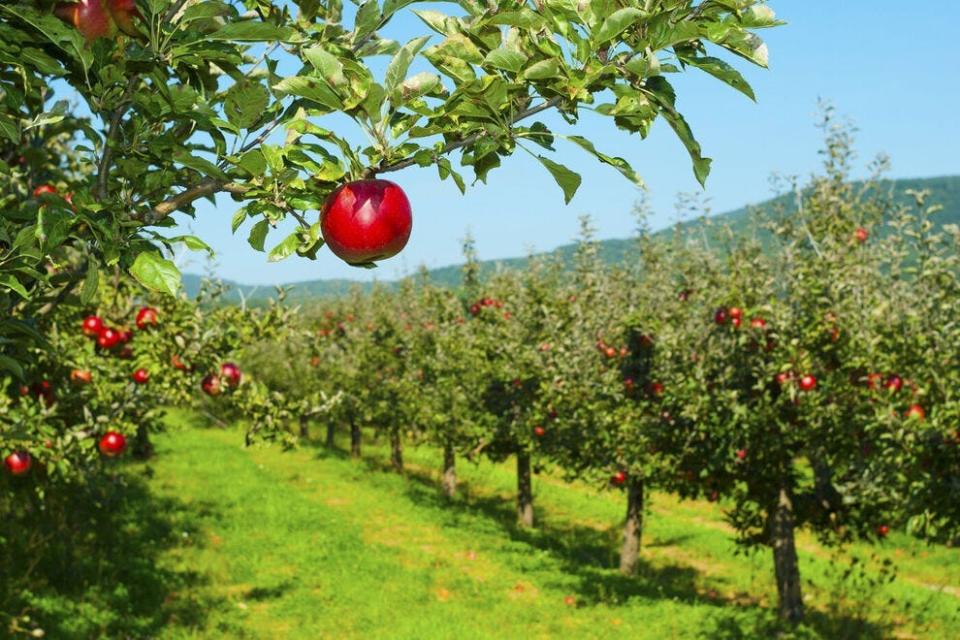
<point x="261" y="543"/>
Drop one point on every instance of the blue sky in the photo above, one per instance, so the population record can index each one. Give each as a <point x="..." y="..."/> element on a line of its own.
<point x="891" y="66"/>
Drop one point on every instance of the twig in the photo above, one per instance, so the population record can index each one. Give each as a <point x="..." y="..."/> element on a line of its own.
<point x="113" y="127"/>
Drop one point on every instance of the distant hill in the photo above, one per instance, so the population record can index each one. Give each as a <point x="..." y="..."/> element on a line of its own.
<point x="944" y="191"/>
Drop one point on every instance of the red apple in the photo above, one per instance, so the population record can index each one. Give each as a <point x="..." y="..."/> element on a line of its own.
<point x="141" y="376"/>
<point x="861" y="235"/>
<point x="783" y="378"/>
<point x="92" y="326"/>
<point x="720" y="316"/>
<point x="570" y="601"/>
<point x="883" y="530"/>
<point x="44" y="189"/>
<point x="211" y="384"/>
<point x="619" y="478"/>
<point x="43" y="390"/>
<point x="610" y="352"/>
<point x="18" y="463"/>
<point x="366" y="221"/>
<point x="177" y="363"/>
<point x="112" y="444"/>
<point x="655" y="389"/>
<point x="741" y="454"/>
<point x="916" y="412"/>
<point x="736" y="313"/>
<point x="108" y="338"/>
<point x="808" y="383"/>
<point x="873" y="380"/>
<point x="230" y="373"/>
<point x="89" y="17"/>
<point x="81" y="376"/>
<point x="736" y="322"/>
<point x="539" y="431"/>
<point x="628" y="385"/>
<point x="894" y="383"/>
<point x="758" y="323"/>
<point x="146" y="317"/>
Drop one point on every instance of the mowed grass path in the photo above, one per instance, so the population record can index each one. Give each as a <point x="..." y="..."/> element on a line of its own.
<point x="311" y="544"/>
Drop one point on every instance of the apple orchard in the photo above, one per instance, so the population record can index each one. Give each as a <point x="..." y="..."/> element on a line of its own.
<point x="803" y="374"/>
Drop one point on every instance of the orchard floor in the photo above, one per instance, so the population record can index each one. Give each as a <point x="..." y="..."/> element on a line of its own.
<point x="262" y="543"/>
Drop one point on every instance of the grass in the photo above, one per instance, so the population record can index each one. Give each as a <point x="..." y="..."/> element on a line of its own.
<point x="261" y="543"/>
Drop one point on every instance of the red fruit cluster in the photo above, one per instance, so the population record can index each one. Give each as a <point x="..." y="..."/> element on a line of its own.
<point x="147" y="317"/>
<point x="619" y="478"/>
<point x="484" y="303"/>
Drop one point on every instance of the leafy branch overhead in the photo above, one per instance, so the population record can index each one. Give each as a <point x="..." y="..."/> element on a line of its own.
<point x="278" y="104"/>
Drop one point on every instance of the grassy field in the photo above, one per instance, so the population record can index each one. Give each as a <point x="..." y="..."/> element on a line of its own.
<point x="218" y="541"/>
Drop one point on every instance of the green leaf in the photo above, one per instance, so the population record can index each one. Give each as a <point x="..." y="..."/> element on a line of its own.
<point x="253" y="162"/>
<point x="8" y="363"/>
<point x="10" y="130"/>
<point x="368" y="19"/>
<point x="661" y="92"/>
<point x="543" y="70"/>
<point x="314" y="89"/>
<point x="193" y="243"/>
<point x="245" y="103"/>
<point x="251" y="32"/>
<point x="397" y="69"/>
<point x="67" y="38"/>
<point x="416" y="86"/>
<point x="202" y="165"/>
<point x="285" y="249"/>
<point x="9" y="281"/>
<point x="619" y="164"/>
<point x="506" y="59"/>
<point x="616" y="23"/>
<point x="722" y="71"/>
<point x="156" y="273"/>
<point x="91" y="283"/>
<point x="329" y="66"/>
<point x="568" y="180"/>
<point x="238" y="218"/>
<point x="258" y="234"/>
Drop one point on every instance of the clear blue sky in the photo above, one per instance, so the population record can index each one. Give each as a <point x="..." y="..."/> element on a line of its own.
<point x="889" y="65"/>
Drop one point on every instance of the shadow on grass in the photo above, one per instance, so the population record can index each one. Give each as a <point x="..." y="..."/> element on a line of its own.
<point x="91" y="563"/>
<point x="591" y="556"/>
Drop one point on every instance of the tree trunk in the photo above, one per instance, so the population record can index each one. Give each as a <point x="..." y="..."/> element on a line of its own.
<point x="331" y="432"/>
<point x="142" y="447"/>
<point x="304" y="428"/>
<point x="449" y="471"/>
<point x="396" y="451"/>
<point x="785" y="558"/>
<point x="524" y="491"/>
<point x="354" y="439"/>
<point x="632" y="529"/>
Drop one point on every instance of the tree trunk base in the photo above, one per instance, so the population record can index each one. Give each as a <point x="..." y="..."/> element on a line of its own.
<point x="524" y="491"/>
<point x="785" y="564"/>
<point x="331" y="433"/>
<point x="449" y="472"/>
<point x="632" y="529"/>
<point x="354" y="440"/>
<point x="396" y="452"/>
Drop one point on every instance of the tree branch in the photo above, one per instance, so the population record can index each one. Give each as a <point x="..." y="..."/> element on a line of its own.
<point x="209" y="186"/>
<point x="112" y="129"/>
<point x="459" y="144"/>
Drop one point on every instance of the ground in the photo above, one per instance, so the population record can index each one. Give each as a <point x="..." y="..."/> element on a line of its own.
<point x="234" y="542"/>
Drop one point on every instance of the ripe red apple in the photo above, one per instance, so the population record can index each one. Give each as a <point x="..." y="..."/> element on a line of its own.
<point x="366" y="221"/>
<point x="177" y="363"/>
<point x="230" y="373"/>
<point x="211" y="384"/>
<point x="720" y="316"/>
<point x="736" y="322"/>
<point x="628" y="385"/>
<point x="610" y="352"/>
<point x="108" y="338"/>
<point x="684" y="295"/>
<point x="808" y="383"/>
<point x="92" y="325"/>
<point x="861" y="235"/>
<point x="89" y="17"/>
<point x="619" y="478"/>
<point x="24" y="390"/>
<point x="141" y="376"/>
<point x="43" y="390"/>
<point x="741" y="454"/>
<point x="736" y="313"/>
<point x="758" y="323"/>
<point x="570" y="601"/>
<point x="18" y="463"/>
<point x="44" y="189"/>
<point x="783" y="378"/>
<point x="539" y="431"/>
<point x="146" y="317"/>
<point x="112" y="444"/>
<point x="883" y="530"/>
<point x="894" y="383"/>
<point x="81" y="376"/>
<point x="916" y="412"/>
<point x="655" y="389"/>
